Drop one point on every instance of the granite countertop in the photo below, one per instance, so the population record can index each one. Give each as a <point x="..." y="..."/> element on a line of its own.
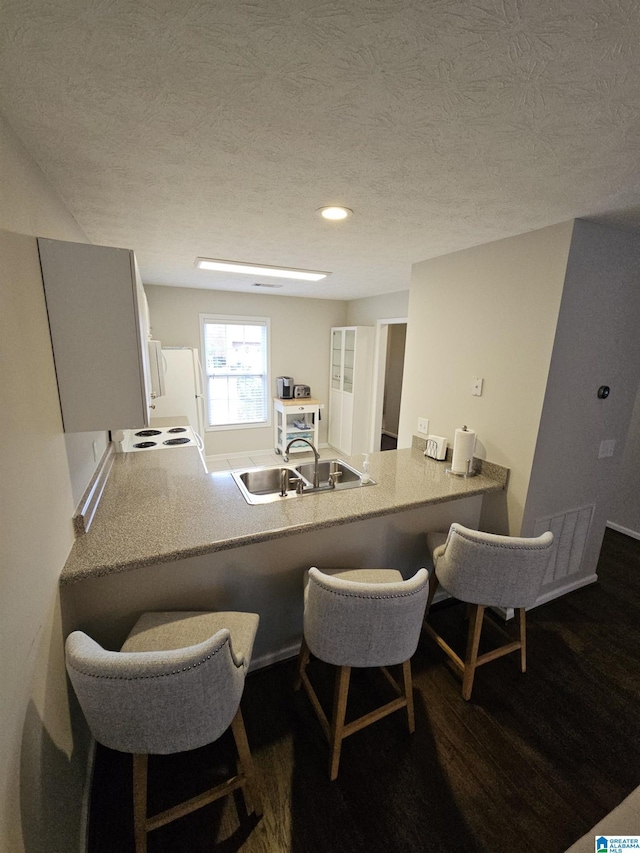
<point x="161" y="506"/>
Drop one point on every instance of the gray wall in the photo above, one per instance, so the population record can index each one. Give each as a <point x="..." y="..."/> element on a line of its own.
<point x="624" y="514"/>
<point x="42" y="759"/>
<point x="387" y="306"/>
<point x="597" y="343"/>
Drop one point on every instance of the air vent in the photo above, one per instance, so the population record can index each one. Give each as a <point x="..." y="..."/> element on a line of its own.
<point x="570" y="530"/>
<point x="258" y="284"/>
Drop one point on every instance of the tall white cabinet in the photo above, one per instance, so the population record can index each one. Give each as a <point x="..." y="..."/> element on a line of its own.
<point x="350" y="390"/>
<point x="99" y="332"/>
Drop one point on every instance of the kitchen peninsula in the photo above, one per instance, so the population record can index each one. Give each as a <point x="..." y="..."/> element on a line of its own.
<point x="166" y="535"/>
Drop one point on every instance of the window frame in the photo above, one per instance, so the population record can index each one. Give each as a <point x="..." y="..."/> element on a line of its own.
<point x="235" y="320"/>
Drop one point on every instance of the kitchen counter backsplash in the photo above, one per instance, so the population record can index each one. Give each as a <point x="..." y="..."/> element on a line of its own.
<point x="480" y="466"/>
<point x="85" y="511"/>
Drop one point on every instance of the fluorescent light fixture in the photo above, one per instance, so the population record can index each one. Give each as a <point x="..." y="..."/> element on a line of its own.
<point x="253" y="269"/>
<point x="335" y="212"/>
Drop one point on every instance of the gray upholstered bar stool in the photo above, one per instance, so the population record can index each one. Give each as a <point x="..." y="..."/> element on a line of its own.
<point x="486" y="570"/>
<point x="175" y="685"/>
<point x="361" y="618"/>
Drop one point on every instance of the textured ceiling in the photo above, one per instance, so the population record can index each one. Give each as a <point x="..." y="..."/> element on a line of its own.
<point x="216" y="129"/>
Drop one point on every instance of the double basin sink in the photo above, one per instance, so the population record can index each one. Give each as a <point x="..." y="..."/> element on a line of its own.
<point x="265" y="485"/>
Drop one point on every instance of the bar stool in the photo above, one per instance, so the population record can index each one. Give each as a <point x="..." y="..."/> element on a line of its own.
<point x="175" y="685"/>
<point x="486" y="570"/>
<point x="361" y="618"/>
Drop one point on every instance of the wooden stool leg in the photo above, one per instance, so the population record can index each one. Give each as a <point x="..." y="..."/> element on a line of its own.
<point x="337" y="722"/>
<point x="246" y="764"/>
<point x="408" y="695"/>
<point x="473" y="641"/>
<point x="140" y="763"/>
<point x="522" y="615"/>
<point x="303" y="660"/>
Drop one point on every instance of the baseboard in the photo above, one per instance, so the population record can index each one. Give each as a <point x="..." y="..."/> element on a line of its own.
<point x="508" y="613"/>
<point x="275" y="657"/>
<point x="570" y="587"/>
<point x="626" y="530"/>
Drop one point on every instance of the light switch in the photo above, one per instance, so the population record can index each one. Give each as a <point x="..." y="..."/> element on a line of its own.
<point x="476" y="386"/>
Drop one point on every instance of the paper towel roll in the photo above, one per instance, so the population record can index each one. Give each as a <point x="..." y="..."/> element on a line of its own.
<point x="464" y="444"/>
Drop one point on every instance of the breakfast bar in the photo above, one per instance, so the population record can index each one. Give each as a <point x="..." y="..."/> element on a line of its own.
<point x="167" y="535"/>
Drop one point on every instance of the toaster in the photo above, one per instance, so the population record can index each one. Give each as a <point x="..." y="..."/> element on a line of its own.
<point x="301" y="391"/>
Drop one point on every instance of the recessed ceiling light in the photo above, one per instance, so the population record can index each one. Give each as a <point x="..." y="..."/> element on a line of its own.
<point x="254" y="269"/>
<point x="335" y="212"/>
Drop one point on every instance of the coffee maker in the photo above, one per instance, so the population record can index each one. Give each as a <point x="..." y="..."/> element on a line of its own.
<point x="284" y="387"/>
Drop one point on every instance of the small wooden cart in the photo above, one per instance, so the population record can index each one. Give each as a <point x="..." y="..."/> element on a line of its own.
<point x="295" y="418"/>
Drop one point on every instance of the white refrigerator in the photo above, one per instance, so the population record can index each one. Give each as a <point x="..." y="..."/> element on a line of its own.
<point x="183" y="388"/>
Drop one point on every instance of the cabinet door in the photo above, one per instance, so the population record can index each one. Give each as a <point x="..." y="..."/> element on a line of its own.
<point x="98" y="335"/>
<point x="335" y="419"/>
<point x="348" y="360"/>
<point x="336" y="359"/>
<point x="346" y="424"/>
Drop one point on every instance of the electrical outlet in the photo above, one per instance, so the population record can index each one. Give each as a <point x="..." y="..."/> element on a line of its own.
<point x="423" y="426"/>
<point x="606" y="448"/>
<point x="476" y="386"/>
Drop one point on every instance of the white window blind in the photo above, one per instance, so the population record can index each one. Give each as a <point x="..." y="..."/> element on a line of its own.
<point x="236" y="368"/>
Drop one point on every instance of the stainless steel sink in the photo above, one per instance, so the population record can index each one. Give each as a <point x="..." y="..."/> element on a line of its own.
<point x="346" y="474"/>
<point x="265" y="485"/>
<point x="264" y="481"/>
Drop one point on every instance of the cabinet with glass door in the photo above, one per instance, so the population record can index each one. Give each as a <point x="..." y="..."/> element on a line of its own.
<point x="350" y="391"/>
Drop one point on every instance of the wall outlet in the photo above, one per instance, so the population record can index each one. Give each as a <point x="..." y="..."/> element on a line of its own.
<point x="606" y="447"/>
<point x="476" y="386"/>
<point x="423" y="426"/>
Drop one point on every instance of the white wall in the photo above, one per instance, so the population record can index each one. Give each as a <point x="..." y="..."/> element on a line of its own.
<point x="366" y="312"/>
<point x="625" y="503"/>
<point x="300" y="344"/>
<point x="41" y="767"/>
<point x="491" y="312"/>
<point x="597" y="343"/>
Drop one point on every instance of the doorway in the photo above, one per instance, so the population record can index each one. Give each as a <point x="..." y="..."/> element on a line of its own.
<point x="387" y="384"/>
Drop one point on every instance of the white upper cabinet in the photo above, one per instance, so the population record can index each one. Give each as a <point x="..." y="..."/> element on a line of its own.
<point x="98" y="319"/>
<point x="350" y="392"/>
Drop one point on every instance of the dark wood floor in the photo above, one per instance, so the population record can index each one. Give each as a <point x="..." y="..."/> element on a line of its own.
<point x="530" y="764"/>
<point x="388" y="442"/>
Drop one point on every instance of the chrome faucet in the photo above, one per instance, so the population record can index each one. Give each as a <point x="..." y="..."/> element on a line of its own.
<point x="316" y="473"/>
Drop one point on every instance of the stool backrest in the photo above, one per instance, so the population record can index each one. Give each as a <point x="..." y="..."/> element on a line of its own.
<point x="485" y="568"/>
<point x="160" y="701"/>
<point x="364" y="624"/>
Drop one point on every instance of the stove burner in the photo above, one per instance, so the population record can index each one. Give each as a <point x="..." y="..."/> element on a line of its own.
<point x="177" y="441"/>
<point x="148" y="432"/>
<point x="177" y="429"/>
<point x="144" y="444"/>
